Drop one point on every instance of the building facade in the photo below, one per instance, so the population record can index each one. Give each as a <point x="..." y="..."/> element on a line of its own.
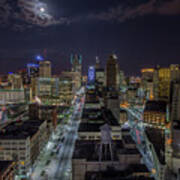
<point x="112" y="73"/>
<point x="45" y="69"/>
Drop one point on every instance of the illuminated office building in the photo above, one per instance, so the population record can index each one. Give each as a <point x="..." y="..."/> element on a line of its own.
<point x="175" y="101"/>
<point x="45" y="69"/>
<point x="175" y="72"/>
<point x="122" y="79"/>
<point x="24" y="76"/>
<point x="47" y="89"/>
<point x="162" y="81"/>
<point x="16" y="81"/>
<point x="32" y="70"/>
<point x="65" y="90"/>
<point x="76" y="79"/>
<point x="100" y="76"/>
<point x="12" y="96"/>
<point x="147" y="82"/>
<point x="150" y="90"/>
<point x="22" y="142"/>
<point x="147" y="74"/>
<point x="48" y="113"/>
<point x="155" y="113"/>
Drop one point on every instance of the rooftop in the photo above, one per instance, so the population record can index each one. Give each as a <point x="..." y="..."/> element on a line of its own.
<point x="90" y="127"/>
<point x="158" y="106"/>
<point x="20" y="130"/>
<point x="112" y="174"/>
<point x="99" y="70"/>
<point x="128" y="139"/>
<point x="89" y="150"/>
<point x="99" y="115"/>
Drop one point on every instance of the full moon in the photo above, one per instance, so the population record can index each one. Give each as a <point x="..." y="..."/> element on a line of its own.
<point x="42" y="9"/>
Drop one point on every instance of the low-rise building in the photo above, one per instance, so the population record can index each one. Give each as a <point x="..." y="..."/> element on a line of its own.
<point x="22" y="142"/>
<point x="155" y="113"/>
<point x="86" y="162"/>
<point x="8" y="96"/>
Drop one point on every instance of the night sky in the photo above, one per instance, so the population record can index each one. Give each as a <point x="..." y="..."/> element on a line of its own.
<point x="142" y="33"/>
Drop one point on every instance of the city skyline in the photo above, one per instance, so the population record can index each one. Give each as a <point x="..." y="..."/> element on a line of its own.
<point x="141" y="33"/>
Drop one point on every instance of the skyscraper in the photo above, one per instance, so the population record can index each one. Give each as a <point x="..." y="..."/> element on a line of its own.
<point x="76" y="61"/>
<point x="175" y="72"/>
<point x="175" y="101"/>
<point x="16" y="81"/>
<point x="45" y="69"/>
<point x="112" y="73"/>
<point x="162" y="81"/>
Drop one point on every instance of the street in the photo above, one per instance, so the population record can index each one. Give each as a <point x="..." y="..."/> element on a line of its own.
<point x="54" y="162"/>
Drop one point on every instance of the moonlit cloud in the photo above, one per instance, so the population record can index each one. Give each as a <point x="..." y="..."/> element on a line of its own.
<point x="27" y="14"/>
<point x="121" y="14"/>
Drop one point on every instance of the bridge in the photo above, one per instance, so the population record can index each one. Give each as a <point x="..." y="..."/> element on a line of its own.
<point x="145" y="147"/>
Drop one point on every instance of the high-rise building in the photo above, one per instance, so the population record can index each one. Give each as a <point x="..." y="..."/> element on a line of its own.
<point x="76" y="79"/>
<point x="147" y="82"/>
<point x="147" y="74"/>
<point x="47" y="89"/>
<point x="45" y="69"/>
<point x="65" y="90"/>
<point x="32" y="71"/>
<point x="16" y="81"/>
<point x="163" y="77"/>
<point x="97" y="66"/>
<point x="175" y="101"/>
<point x="112" y="73"/>
<point x="76" y="61"/>
<point x="175" y="72"/>
<point x="122" y="81"/>
<point x="161" y="81"/>
<point x="100" y="77"/>
<point x="91" y="75"/>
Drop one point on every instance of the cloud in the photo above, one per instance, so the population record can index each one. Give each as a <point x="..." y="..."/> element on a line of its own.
<point x="121" y="14"/>
<point x="30" y="12"/>
<point x="22" y="15"/>
<point x="26" y="14"/>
